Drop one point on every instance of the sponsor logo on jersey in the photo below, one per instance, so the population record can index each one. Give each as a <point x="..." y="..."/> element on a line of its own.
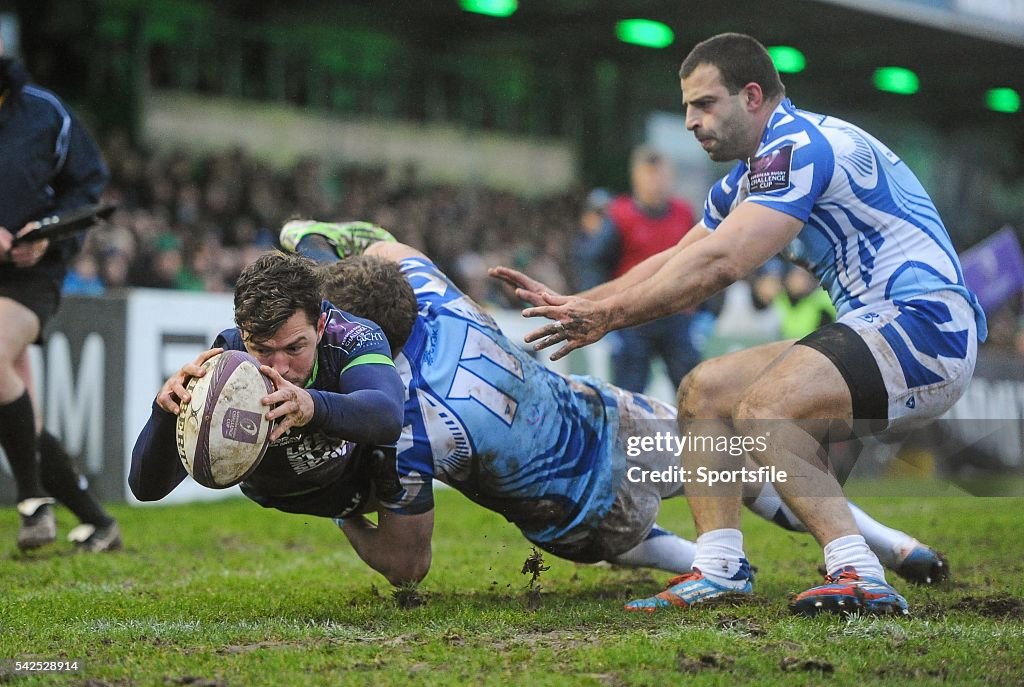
<point x="352" y="335"/>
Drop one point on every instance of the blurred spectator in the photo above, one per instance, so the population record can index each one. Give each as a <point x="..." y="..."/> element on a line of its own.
<point x="83" y="277"/>
<point x="803" y="305"/>
<point x="592" y="261"/>
<point x="637" y="227"/>
<point x="114" y="268"/>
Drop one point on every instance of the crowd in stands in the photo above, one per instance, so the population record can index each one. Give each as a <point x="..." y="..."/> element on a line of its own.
<point x="192" y="221"/>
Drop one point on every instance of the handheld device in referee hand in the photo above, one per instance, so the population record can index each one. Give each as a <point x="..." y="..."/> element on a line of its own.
<point x="77" y="221"/>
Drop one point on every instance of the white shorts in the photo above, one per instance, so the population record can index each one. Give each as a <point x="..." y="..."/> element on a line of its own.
<point x="924" y="348"/>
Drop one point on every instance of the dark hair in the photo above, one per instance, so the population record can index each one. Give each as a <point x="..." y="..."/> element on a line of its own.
<point x="271" y="290"/>
<point x="374" y="288"/>
<point x="740" y="60"/>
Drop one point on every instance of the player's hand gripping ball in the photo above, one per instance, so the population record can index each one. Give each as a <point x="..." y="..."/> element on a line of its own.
<point x="222" y="432"/>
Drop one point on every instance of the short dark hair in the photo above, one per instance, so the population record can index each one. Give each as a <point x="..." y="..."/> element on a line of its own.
<point x="271" y="290"/>
<point x="374" y="288"/>
<point x="740" y="60"/>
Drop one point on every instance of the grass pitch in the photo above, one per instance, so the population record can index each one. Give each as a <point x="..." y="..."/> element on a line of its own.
<point x="231" y="594"/>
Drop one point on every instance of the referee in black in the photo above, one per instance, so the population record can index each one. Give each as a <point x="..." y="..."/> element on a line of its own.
<point x="50" y="165"/>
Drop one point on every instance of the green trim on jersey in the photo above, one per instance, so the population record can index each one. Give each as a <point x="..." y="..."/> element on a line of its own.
<point x="370" y="359"/>
<point x="312" y="375"/>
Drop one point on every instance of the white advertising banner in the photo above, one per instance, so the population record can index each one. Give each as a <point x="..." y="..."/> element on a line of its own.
<point x="165" y="330"/>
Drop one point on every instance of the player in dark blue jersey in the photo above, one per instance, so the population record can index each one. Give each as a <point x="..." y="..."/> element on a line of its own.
<point x="553" y="454"/>
<point x="831" y="197"/>
<point x="337" y="397"/>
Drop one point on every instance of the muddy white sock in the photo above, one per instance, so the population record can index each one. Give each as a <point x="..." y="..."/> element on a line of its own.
<point x="660" y="549"/>
<point x="720" y="556"/>
<point x="888" y="544"/>
<point x="852" y="550"/>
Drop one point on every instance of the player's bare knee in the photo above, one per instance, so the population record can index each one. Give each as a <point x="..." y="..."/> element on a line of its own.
<point x="409" y="573"/>
<point x="697" y="394"/>
<point x="754" y="409"/>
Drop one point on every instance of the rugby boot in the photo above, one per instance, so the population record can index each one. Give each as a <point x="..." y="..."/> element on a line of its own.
<point x="38" y="524"/>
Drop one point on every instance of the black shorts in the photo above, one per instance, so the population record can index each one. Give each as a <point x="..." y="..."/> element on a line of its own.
<point x="852" y="357"/>
<point x="40" y="293"/>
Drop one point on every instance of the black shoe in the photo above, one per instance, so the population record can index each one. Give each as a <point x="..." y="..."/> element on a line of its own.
<point x="87" y="537"/>
<point x="38" y="524"/>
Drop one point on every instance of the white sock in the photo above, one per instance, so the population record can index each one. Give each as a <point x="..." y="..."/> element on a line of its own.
<point x="851" y="550"/>
<point x="660" y="549"/>
<point x="888" y="544"/>
<point x="720" y="556"/>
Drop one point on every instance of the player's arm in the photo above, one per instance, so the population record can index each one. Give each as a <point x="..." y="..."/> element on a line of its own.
<point x="367" y="408"/>
<point x="156" y="468"/>
<point x="398" y="546"/>
<point x="646" y="268"/>
<point x="393" y="251"/>
<point x="535" y="292"/>
<point x="745" y="239"/>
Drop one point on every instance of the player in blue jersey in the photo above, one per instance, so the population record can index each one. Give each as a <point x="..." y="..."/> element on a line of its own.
<point x="834" y="199"/>
<point x="337" y="395"/>
<point x="551" y="453"/>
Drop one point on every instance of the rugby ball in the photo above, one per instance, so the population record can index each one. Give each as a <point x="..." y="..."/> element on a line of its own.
<point x="222" y="432"/>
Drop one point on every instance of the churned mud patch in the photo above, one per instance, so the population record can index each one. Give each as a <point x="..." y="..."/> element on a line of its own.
<point x="711" y="661"/>
<point x="1002" y="606"/>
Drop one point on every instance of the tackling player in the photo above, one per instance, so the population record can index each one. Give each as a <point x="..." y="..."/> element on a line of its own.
<point x="840" y="203"/>
<point x="548" y="452"/>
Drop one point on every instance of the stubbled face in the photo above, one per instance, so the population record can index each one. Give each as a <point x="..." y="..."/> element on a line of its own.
<point x="292" y="349"/>
<point x="722" y="122"/>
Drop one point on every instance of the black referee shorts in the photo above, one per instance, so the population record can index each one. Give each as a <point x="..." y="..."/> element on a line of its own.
<point x="40" y="293"/>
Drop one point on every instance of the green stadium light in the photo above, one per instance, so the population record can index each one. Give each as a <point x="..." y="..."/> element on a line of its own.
<point x="1003" y="100"/>
<point x="645" y="32"/>
<point x="492" y="8"/>
<point x="896" y="80"/>
<point x="787" y="59"/>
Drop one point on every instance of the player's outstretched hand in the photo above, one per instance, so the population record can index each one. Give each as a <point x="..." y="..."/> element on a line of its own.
<point x="293" y="404"/>
<point x="172" y="393"/>
<point x="577" y="321"/>
<point x="527" y="288"/>
<point x="28" y="254"/>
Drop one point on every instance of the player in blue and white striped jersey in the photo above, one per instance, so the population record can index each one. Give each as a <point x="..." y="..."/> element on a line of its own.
<point x="549" y="452"/>
<point x="833" y="198"/>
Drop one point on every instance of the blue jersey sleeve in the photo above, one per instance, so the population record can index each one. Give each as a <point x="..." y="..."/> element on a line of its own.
<point x="431" y="285"/>
<point x="721" y="198"/>
<point x="792" y="169"/>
